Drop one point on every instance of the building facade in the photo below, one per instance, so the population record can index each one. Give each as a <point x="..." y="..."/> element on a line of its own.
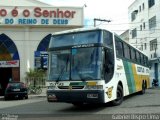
<point x="144" y="17"/>
<point x="125" y="36"/>
<point x="25" y="30"/>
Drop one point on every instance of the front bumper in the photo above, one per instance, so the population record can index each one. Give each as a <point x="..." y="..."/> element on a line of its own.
<point x="16" y="94"/>
<point x="77" y="96"/>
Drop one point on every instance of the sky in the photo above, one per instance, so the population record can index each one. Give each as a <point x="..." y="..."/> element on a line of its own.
<point x="114" y="10"/>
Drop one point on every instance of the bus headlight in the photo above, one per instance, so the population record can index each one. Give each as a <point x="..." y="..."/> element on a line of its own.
<point x="94" y="87"/>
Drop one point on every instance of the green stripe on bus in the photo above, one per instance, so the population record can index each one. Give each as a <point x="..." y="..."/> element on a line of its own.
<point x="129" y="76"/>
<point x="132" y="77"/>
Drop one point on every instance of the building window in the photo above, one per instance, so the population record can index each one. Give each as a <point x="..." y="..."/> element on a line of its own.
<point x="143" y="6"/>
<point x="152" y="22"/>
<point x="153" y="45"/>
<point x="142" y="47"/>
<point x="144" y="25"/>
<point x="133" y="15"/>
<point x="134" y="33"/>
<point x="145" y="46"/>
<point x="139" y="8"/>
<point x="151" y="3"/>
<point x="140" y="27"/>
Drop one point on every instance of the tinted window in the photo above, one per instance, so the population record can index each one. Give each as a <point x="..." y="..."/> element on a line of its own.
<point x="138" y="56"/>
<point x="75" y="39"/>
<point x="142" y="59"/>
<point x="108" y="38"/>
<point x="145" y="60"/>
<point x="108" y="64"/>
<point x="133" y="54"/>
<point x="119" y="47"/>
<point x="126" y="51"/>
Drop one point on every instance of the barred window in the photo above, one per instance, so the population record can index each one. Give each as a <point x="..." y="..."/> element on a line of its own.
<point x="153" y="45"/>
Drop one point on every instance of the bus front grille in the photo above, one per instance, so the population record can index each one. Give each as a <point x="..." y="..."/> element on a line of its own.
<point x="70" y="87"/>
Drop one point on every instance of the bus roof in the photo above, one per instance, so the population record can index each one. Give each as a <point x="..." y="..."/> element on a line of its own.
<point x="77" y="30"/>
<point x="90" y="29"/>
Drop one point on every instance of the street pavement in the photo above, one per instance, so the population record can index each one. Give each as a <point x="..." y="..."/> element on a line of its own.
<point x="37" y="108"/>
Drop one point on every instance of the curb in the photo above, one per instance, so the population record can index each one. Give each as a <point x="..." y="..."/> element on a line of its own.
<point x="36" y="96"/>
<point x="43" y="94"/>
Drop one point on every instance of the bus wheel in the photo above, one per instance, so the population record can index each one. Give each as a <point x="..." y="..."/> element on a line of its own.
<point x="119" y="99"/>
<point x="143" y="88"/>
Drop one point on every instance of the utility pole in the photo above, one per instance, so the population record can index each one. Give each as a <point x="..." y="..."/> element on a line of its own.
<point x="95" y="19"/>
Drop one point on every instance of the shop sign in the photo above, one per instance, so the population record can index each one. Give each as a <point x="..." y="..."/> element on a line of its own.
<point x="40" y="16"/>
<point x="41" y="59"/>
<point x="12" y="63"/>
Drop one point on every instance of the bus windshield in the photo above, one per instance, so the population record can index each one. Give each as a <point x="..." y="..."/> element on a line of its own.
<point x="76" y="64"/>
<point x="76" y="39"/>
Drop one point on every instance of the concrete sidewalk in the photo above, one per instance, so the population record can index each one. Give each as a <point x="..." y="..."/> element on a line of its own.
<point x="43" y="94"/>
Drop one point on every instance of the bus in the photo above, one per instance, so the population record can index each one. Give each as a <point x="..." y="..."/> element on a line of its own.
<point x="94" y="65"/>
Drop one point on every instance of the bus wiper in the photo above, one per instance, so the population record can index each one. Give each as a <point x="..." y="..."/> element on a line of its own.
<point x="82" y="78"/>
<point x="61" y="74"/>
<point x="63" y="70"/>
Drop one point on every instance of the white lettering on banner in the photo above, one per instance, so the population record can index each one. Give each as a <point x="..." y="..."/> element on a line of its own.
<point x="12" y="63"/>
<point x="40" y="16"/>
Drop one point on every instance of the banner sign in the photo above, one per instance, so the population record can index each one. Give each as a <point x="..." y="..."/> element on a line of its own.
<point x="23" y="15"/>
<point x="12" y="63"/>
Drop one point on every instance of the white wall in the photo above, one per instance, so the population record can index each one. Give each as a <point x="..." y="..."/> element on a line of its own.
<point x="146" y="35"/>
<point x="27" y="40"/>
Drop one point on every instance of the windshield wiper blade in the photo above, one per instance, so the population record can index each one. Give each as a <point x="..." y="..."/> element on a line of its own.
<point x="62" y="71"/>
<point x="81" y="77"/>
<point x="60" y="75"/>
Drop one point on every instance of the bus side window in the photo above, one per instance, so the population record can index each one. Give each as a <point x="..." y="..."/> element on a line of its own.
<point x="108" y="38"/>
<point x="119" y="47"/>
<point x="108" y="66"/>
<point x="127" y="51"/>
<point x="133" y="54"/>
<point x="138" y="57"/>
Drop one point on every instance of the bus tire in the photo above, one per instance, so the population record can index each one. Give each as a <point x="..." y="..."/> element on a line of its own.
<point x="119" y="98"/>
<point x="143" y="88"/>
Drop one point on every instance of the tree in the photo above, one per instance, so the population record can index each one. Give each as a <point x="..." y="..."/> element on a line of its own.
<point x="35" y="77"/>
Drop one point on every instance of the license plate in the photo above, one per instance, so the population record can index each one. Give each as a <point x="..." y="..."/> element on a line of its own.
<point x="16" y="89"/>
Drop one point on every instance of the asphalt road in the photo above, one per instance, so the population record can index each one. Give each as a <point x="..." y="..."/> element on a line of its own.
<point x="38" y="108"/>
